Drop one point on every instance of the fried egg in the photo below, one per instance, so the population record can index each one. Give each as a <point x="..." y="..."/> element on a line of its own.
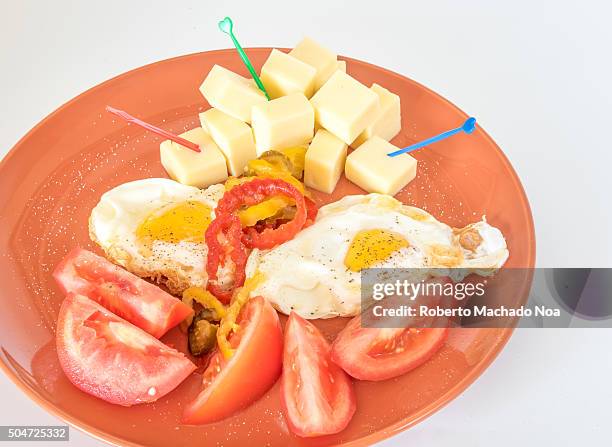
<point x="155" y="228"/>
<point x="317" y="273"/>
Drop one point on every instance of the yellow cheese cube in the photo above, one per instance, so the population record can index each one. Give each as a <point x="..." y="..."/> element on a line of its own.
<point x="370" y="168"/>
<point x="283" y="122"/>
<point x="341" y="65"/>
<point x="344" y="106"/>
<point x="324" y="161"/>
<point x="283" y="74"/>
<point x="231" y="93"/>
<point x="234" y="138"/>
<point x="192" y="168"/>
<point x="323" y="60"/>
<point x="388" y="120"/>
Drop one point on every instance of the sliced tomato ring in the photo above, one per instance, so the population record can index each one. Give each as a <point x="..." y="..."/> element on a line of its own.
<point x="371" y="353"/>
<point x="317" y="396"/>
<point x="230" y="385"/>
<point x="226" y="239"/>
<point x="132" y="298"/>
<point x="223" y="238"/>
<point x="110" y="358"/>
<point x="311" y="211"/>
<point x="256" y="191"/>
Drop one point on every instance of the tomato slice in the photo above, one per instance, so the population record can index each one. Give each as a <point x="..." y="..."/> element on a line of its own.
<point x="228" y="226"/>
<point x="369" y="353"/>
<point x="230" y="385"/>
<point x="256" y="191"/>
<point x="132" y="298"/>
<point x="317" y="396"/>
<point x="110" y="358"/>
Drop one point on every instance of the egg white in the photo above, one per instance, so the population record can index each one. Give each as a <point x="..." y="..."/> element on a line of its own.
<point x="490" y="255"/>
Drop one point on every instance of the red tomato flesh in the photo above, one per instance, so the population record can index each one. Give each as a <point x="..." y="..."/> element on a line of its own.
<point x="132" y="298"/>
<point x="230" y="385"/>
<point x="317" y="396"/>
<point x="110" y="358"/>
<point x="382" y="353"/>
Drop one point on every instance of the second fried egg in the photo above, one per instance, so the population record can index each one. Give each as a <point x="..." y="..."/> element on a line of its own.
<point x="317" y="273"/>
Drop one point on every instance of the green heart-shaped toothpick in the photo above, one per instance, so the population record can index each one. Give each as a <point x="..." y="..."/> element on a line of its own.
<point x="227" y="26"/>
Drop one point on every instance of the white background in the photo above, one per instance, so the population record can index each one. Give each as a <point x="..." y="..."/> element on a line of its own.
<point x="536" y="75"/>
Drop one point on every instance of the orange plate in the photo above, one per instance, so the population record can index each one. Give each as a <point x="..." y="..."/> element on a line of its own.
<point x="53" y="177"/>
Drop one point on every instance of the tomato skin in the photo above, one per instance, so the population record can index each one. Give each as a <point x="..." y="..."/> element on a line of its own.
<point x="130" y="297"/>
<point x="254" y="192"/>
<point x="317" y="396"/>
<point x="93" y="353"/>
<point x="352" y="347"/>
<point x="248" y="374"/>
<point x="238" y="239"/>
<point x="229" y="226"/>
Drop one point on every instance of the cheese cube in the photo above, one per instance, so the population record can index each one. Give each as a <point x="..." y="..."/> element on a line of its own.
<point x="323" y="60"/>
<point x="192" y="168"/>
<point x="282" y="123"/>
<point x="324" y="161"/>
<point x="234" y="138"/>
<point x="370" y="168"/>
<point x="231" y="93"/>
<point x="388" y="120"/>
<point x="344" y="106"/>
<point x="341" y="66"/>
<point x="283" y="74"/>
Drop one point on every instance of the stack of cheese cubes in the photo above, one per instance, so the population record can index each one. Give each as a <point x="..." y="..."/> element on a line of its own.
<point x="309" y="90"/>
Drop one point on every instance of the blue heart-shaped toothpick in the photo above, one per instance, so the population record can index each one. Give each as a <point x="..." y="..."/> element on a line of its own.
<point x="467" y="127"/>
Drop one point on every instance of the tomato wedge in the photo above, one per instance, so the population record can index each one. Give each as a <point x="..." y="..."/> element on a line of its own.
<point x="230" y="385"/>
<point x="369" y="353"/>
<point x="110" y="358"/>
<point x="132" y="298"/>
<point x="317" y="396"/>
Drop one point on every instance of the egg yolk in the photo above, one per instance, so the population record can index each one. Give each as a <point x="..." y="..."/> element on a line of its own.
<point x="183" y="222"/>
<point x="372" y="246"/>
